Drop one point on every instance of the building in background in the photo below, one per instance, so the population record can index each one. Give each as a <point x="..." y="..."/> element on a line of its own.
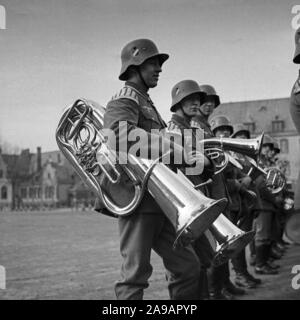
<point x="39" y="180"/>
<point x="7" y="163"/>
<point x="273" y="117"/>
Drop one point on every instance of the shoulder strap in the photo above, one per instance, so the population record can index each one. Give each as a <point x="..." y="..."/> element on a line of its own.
<point x="126" y="93"/>
<point x="173" y="128"/>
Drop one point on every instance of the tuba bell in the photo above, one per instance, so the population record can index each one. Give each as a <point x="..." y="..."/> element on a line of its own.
<point x="225" y="239"/>
<point x="81" y="139"/>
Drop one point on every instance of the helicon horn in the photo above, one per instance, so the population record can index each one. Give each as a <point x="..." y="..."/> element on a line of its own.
<point x="80" y="137"/>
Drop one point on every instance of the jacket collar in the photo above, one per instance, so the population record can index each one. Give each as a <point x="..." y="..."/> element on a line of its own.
<point x="180" y="120"/>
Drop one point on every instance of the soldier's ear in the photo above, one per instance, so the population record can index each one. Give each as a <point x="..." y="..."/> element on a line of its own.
<point x="132" y="72"/>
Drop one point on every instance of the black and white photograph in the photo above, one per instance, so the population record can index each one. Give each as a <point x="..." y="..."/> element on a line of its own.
<point x="150" y="150"/>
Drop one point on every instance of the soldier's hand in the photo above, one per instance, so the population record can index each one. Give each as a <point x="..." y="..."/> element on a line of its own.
<point x="246" y="181"/>
<point x="192" y="157"/>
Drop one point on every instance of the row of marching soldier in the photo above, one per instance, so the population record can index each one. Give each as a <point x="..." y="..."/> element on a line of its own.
<point x="199" y="268"/>
<point x="253" y="203"/>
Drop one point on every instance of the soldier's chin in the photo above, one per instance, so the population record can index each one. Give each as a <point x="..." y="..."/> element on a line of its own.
<point x="153" y="84"/>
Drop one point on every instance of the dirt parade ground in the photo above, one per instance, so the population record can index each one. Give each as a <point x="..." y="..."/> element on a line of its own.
<point x="75" y="255"/>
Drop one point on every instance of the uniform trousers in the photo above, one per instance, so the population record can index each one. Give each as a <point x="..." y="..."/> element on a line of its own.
<point x="139" y="234"/>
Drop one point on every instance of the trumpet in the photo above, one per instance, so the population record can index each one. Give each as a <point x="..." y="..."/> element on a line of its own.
<point x="81" y="139"/>
<point x="274" y="178"/>
<point x="218" y="148"/>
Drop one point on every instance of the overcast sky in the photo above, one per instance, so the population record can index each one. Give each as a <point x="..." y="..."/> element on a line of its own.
<point x="54" y="51"/>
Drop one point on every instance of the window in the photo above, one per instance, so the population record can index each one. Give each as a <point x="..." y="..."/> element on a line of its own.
<point x="250" y="126"/>
<point x="4" y="192"/>
<point x="49" y="192"/>
<point x="39" y="192"/>
<point x="58" y="158"/>
<point x="277" y="126"/>
<point x="31" y="193"/>
<point x="23" y="193"/>
<point x="1" y="173"/>
<point x="284" y="146"/>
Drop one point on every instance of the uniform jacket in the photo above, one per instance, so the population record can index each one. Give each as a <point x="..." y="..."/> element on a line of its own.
<point x="266" y="200"/>
<point x="295" y="103"/>
<point x="135" y="108"/>
<point x="217" y="189"/>
<point x="178" y="124"/>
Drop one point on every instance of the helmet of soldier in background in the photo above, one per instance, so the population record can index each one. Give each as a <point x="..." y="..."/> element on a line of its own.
<point x="219" y="122"/>
<point x="184" y="89"/>
<point x="240" y="128"/>
<point x="296" y="58"/>
<point x="210" y="94"/>
<point x="268" y="141"/>
<point x="276" y="147"/>
<point x="137" y="52"/>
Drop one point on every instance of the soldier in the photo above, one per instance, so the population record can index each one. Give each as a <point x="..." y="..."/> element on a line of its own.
<point x="242" y="276"/>
<point x="147" y="228"/>
<point x="237" y="184"/>
<point x="295" y="112"/>
<point x="264" y="210"/>
<point x="216" y="190"/>
<point x="186" y="99"/>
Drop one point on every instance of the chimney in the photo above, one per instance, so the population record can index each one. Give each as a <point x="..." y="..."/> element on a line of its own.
<point x="39" y="158"/>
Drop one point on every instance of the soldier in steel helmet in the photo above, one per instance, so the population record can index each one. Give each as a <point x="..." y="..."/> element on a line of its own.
<point x="243" y="277"/>
<point x="147" y="228"/>
<point x="237" y="184"/>
<point x="265" y="210"/>
<point x="186" y="99"/>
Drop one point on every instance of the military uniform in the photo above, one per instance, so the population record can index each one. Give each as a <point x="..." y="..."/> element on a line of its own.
<point x="265" y="211"/>
<point x="147" y="228"/>
<point x="177" y="125"/>
<point x="295" y="113"/>
<point x="217" y="276"/>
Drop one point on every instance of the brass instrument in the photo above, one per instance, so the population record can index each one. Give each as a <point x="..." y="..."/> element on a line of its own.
<point x="225" y="239"/>
<point x="81" y="139"/>
<point x="248" y="147"/>
<point x="229" y="239"/>
<point x="274" y="178"/>
<point x="218" y="149"/>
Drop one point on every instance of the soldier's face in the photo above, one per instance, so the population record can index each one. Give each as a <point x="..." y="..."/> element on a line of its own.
<point x="265" y="150"/>
<point x="223" y="132"/>
<point x="207" y="108"/>
<point x="241" y="136"/>
<point x="271" y="153"/>
<point x="191" y="104"/>
<point x="150" y="71"/>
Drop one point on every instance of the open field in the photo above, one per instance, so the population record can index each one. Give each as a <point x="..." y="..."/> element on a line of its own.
<point x="75" y="255"/>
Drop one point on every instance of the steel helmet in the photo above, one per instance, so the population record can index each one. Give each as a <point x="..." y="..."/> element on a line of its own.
<point x="296" y="58"/>
<point x="138" y="51"/>
<point x="184" y="89"/>
<point x="276" y="147"/>
<point x="210" y="93"/>
<point x="240" y="128"/>
<point x="268" y="140"/>
<point x="220" y="121"/>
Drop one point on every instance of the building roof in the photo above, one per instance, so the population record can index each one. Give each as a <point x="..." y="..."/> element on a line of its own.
<point x="261" y="112"/>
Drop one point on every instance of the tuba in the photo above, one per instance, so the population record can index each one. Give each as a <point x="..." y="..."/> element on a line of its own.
<point x="81" y="139"/>
<point x="225" y="239"/>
